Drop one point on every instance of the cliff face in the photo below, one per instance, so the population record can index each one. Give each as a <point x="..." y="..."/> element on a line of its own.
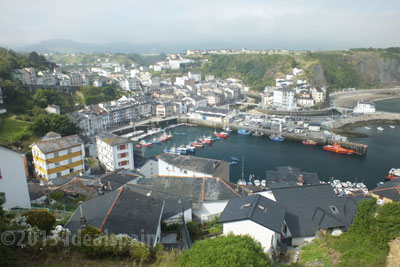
<point x="317" y="76"/>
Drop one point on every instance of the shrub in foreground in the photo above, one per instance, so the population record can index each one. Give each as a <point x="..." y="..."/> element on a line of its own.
<point x="41" y="218"/>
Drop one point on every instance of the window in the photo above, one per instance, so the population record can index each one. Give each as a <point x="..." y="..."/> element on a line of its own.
<point x="334" y="209"/>
<point x="55" y="154"/>
<point x="122" y="155"/>
<point x="69" y="151"/>
<point x="185" y="171"/>
<point x="56" y="164"/>
<point x="69" y="161"/>
<point x="71" y="170"/>
<point x="121" y="147"/>
<point x="0" y="174"/>
<point x="58" y="174"/>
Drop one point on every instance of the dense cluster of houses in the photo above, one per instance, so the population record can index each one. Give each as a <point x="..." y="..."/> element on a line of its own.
<point x="292" y="92"/>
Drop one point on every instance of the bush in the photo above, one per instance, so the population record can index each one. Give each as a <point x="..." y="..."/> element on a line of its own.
<point x="41" y="218"/>
<point x="226" y="251"/>
<point x="194" y="230"/>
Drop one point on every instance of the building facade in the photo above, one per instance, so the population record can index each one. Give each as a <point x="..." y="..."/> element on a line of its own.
<point x="55" y="156"/>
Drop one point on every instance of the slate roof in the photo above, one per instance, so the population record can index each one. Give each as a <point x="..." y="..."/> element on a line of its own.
<point x="57" y="144"/>
<point x="120" y="212"/>
<point x="290" y="176"/>
<point x="173" y="204"/>
<point x="112" y="139"/>
<point x="390" y="190"/>
<point x="117" y="178"/>
<point x="195" y="189"/>
<point x="311" y="208"/>
<point x="256" y="208"/>
<point x="197" y="164"/>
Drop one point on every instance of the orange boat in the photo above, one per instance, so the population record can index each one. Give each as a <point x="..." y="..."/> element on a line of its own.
<point x="338" y="149"/>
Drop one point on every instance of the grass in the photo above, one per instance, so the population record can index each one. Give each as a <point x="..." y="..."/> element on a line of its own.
<point x="13" y="130"/>
<point x="316" y="254"/>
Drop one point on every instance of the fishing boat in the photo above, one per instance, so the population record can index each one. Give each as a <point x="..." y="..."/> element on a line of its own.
<point x="138" y="146"/>
<point x="234" y="158"/>
<point x="241" y="182"/>
<point x="257" y="133"/>
<point x="145" y="144"/>
<point x="191" y="148"/>
<point x="233" y="163"/>
<point x="182" y="149"/>
<point x="207" y="140"/>
<point x="244" y="132"/>
<point x="257" y="182"/>
<point x="263" y="183"/>
<point x="393" y="174"/>
<point x="368" y="128"/>
<point x="155" y="141"/>
<point x="221" y="134"/>
<point x="392" y="126"/>
<point x="276" y="137"/>
<point x="197" y="144"/>
<point x="380" y="128"/>
<point x="310" y="142"/>
<point x="338" y="149"/>
<point x="169" y="136"/>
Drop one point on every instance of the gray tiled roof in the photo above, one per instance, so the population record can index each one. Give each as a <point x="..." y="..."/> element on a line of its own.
<point x="128" y="213"/>
<point x="112" y="139"/>
<point x="309" y="208"/>
<point x="290" y="176"/>
<point x="256" y="208"/>
<point x="197" y="164"/>
<point x="57" y="144"/>
<point x="192" y="188"/>
<point x="390" y="189"/>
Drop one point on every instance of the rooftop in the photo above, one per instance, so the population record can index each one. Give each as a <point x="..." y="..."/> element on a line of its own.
<point x="390" y="190"/>
<point x="112" y="139"/>
<point x="51" y="145"/>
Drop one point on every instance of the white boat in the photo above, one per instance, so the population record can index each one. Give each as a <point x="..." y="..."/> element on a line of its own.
<point x="392" y="126"/>
<point x="368" y="128"/>
<point x="263" y="183"/>
<point x="380" y="128"/>
<point x="257" y="182"/>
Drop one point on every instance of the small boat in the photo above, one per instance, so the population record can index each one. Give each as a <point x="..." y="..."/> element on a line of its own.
<point x="257" y="182"/>
<point x="338" y="149"/>
<point x="228" y="130"/>
<point x="218" y="138"/>
<point x="156" y="141"/>
<point x="249" y="183"/>
<point x="241" y="182"/>
<point x="392" y="126"/>
<point x="380" y="128"/>
<point x="263" y="183"/>
<point x="393" y="174"/>
<point x="368" y="128"/>
<point x="257" y="133"/>
<point x="276" y="137"/>
<point x="145" y="144"/>
<point x="244" y="132"/>
<point x="208" y="140"/>
<point x="197" y="144"/>
<point x="234" y="158"/>
<point x="138" y="146"/>
<point x="221" y="134"/>
<point x="233" y="163"/>
<point x="310" y="142"/>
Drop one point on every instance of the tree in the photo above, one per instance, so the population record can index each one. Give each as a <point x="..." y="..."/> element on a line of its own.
<point x="226" y="251"/>
<point x="52" y="122"/>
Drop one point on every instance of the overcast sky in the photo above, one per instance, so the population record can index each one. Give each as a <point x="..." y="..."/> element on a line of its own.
<point x="266" y="24"/>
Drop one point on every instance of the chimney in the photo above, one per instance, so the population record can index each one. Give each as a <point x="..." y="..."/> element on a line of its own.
<point x="82" y="219"/>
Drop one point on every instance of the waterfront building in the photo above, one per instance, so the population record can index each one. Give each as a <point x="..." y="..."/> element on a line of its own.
<point x="13" y="179"/>
<point x="258" y="217"/>
<point x="218" y="115"/>
<point x="166" y="109"/>
<point x="305" y="101"/>
<point x="55" y="156"/>
<point x="284" y="99"/>
<point x="364" y="108"/>
<point x="114" y="152"/>
<point x="387" y="192"/>
<point x="318" y="94"/>
<point x="190" y="166"/>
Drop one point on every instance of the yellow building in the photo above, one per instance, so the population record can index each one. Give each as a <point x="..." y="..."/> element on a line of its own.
<point x="55" y="156"/>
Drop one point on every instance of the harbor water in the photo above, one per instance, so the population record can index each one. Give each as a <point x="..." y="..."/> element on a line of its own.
<point x="261" y="154"/>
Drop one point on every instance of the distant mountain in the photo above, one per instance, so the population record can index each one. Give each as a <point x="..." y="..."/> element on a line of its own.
<point x="68" y="46"/>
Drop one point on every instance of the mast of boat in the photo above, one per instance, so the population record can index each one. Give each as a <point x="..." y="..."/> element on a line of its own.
<point x="242" y="168"/>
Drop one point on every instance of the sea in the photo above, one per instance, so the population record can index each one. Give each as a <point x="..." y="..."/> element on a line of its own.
<point x="259" y="154"/>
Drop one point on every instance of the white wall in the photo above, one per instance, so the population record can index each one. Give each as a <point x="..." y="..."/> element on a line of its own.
<point x="13" y="179"/>
<point x="265" y="236"/>
<point x="165" y="169"/>
<point x="208" y="210"/>
<point x="297" y="241"/>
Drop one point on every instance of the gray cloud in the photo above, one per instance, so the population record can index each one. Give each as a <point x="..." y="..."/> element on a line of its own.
<point x="258" y="24"/>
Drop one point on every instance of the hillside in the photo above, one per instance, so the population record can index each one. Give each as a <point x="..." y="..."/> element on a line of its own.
<point x="356" y="68"/>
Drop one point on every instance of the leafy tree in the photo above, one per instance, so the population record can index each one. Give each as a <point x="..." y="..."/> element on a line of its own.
<point x="52" y="122"/>
<point x="226" y="251"/>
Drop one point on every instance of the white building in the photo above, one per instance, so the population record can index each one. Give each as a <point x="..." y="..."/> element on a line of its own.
<point x="190" y="166"/>
<point x="364" y="108"/>
<point x="13" y="179"/>
<point x="195" y="75"/>
<point x="284" y="99"/>
<point x="55" y="156"/>
<point x="318" y="94"/>
<point x="196" y="100"/>
<point x="115" y="152"/>
<point x="305" y="102"/>
<point x="53" y="109"/>
<point x="257" y="216"/>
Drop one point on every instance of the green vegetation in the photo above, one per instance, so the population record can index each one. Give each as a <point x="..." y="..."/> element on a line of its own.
<point x="46" y="122"/>
<point x="41" y="218"/>
<point x="13" y="130"/>
<point x="89" y="95"/>
<point x="226" y="251"/>
<point x="364" y="244"/>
